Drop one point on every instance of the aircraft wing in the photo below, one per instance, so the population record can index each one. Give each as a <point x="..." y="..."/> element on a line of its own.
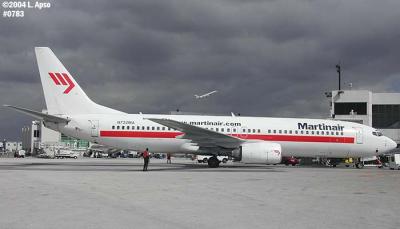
<point x="40" y="115"/>
<point x="205" y="139"/>
<point x="212" y="92"/>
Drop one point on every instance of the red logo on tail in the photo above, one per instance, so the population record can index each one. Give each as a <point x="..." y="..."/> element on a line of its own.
<point x="62" y="79"/>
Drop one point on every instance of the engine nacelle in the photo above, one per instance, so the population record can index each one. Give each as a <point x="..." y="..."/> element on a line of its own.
<point x="259" y="152"/>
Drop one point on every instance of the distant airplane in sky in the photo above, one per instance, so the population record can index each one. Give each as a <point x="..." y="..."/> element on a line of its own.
<point x="205" y="95"/>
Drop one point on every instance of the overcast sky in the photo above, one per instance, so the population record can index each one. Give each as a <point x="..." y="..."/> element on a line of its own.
<point x="266" y="58"/>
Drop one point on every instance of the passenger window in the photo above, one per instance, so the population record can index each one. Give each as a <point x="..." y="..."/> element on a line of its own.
<point x="127" y="127"/>
<point x="341" y="133"/>
<point x="259" y="131"/>
<point x="234" y="130"/>
<point x="163" y="128"/>
<point x="337" y="133"/>
<point x="332" y="133"/>
<point x="133" y="127"/>
<point x="222" y="129"/>
<point x="280" y="131"/>
<point x="228" y="130"/>
<point x="312" y="132"/>
<point x="138" y="127"/>
<point x="296" y="132"/>
<point x="327" y="132"/>
<point x="152" y="128"/>
<point x="254" y="130"/>
<point x="113" y="127"/>
<point x="285" y="131"/>
<point x="322" y="132"/>
<point x="169" y="129"/>
<point x="302" y="132"/>
<point x="117" y="127"/>
<point x="290" y="132"/>
<point x="143" y="127"/>
<point x="249" y="131"/>
<point x="123" y="127"/>
<point x="317" y="132"/>
<point x="217" y="129"/>
<point x="158" y="128"/>
<point x="148" y="128"/>
<point x="274" y="131"/>
<point x="269" y="131"/>
<point x="244" y="130"/>
<point x="212" y="129"/>
<point x="306" y="131"/>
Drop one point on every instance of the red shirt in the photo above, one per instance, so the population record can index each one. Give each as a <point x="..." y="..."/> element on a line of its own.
<point x="145" y="154"/>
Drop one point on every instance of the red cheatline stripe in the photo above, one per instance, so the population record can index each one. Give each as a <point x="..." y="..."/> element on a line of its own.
<point x="53" y="77"/>
<point x="70" y="83"/>
<point x="138" y="134"/>
<point x="61" y="79"/>
<point x="279" y="138"/>
<point x="296" y="138"/>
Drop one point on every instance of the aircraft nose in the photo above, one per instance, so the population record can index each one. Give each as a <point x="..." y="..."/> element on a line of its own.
<point x="391" y="144"/>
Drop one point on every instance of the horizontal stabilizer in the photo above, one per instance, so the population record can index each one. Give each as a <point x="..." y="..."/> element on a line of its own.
<point x="40" y="115"/>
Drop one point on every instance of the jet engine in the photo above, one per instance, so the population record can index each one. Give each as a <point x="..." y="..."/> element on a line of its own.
<point x="259" y="153"/>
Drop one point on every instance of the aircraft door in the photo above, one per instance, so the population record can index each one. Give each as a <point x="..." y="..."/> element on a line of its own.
<point x="94" y="128"/>
<point x="359" y="135"/>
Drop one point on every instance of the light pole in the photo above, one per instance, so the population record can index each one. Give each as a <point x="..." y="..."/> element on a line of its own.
<point x="339" y="72"/>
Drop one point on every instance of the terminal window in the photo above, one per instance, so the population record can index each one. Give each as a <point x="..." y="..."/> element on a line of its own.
<point x="347" y="108"/>
<point x="386" y="116"/>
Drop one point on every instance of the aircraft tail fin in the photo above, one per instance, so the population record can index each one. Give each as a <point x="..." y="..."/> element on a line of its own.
<point x="62" y="93"/>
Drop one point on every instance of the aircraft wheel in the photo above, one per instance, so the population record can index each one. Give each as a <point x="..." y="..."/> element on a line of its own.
<point x="360" y="165"/>
<point x="205" y="160"/>
<point x="213" y="162"/>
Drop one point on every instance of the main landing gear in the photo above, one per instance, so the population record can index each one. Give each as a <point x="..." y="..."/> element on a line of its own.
<point x="213" y="162"/>
<point x="359" y="164"/>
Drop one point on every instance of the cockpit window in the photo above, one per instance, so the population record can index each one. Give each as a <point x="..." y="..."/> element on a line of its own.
<point x="377" y="133"/>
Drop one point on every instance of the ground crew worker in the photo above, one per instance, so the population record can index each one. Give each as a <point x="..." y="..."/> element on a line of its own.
<point x="146" y="158"/>
<point x="168" y="158"/>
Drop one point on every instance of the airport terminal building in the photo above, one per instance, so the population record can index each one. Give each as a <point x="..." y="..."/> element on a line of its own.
<point x="379" y="110"/>
<point x="36" y="137"/>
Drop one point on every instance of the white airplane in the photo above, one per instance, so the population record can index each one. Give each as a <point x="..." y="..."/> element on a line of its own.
<point x="205" y="95"/>
<point x="246" y="139"/>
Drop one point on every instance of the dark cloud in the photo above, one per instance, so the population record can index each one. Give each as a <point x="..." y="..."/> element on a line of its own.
<point x="266" y="58"/>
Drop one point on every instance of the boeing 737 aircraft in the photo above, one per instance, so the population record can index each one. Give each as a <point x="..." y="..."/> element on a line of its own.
<point x="246" y="139"/>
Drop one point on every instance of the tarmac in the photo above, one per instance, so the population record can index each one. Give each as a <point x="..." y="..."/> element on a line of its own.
<point x="115" y="193"/>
